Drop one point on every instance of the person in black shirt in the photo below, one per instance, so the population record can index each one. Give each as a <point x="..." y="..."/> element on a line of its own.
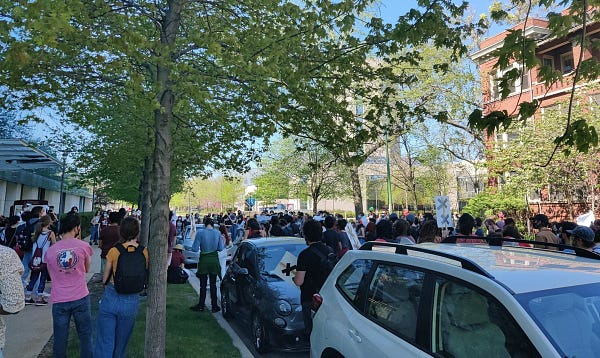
<point x="331" y="237"/>
<point x="309" y="273"/>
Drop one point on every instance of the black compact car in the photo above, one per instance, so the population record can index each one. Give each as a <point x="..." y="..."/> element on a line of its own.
<point x="258" y="291"/>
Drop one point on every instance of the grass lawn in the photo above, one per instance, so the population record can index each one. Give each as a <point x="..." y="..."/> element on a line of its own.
<point x="189" y="334"/>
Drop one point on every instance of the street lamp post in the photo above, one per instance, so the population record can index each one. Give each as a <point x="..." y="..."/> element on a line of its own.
<point x="386" y="124"/>
<point x="61" y="205"/>
<point x="61" y="202"/>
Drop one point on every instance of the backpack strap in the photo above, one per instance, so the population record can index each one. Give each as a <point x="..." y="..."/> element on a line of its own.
<point x="121" y="250"/>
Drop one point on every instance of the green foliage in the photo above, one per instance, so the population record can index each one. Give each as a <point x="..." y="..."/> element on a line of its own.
<point x="271" y="185"/>
<point x="577" y="135"/>
<point x="489" y="202"/>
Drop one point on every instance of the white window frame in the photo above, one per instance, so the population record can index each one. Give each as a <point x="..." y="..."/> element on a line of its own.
<point x="562" y="62"/>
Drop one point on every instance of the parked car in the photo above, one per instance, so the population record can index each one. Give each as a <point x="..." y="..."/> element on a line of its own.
<point x="458" y="300"/>
<point x="258" y="291"/>
<point x="191" y="256"/>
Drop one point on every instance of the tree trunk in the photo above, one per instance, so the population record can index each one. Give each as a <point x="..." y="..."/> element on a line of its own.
<point x="146" y="204"/>
<point x="356" y="191"/>
<point x="156" y="316"/>
<point x="315" y="205"/>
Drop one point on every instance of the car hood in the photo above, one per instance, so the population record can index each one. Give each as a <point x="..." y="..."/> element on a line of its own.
<point x="284" y="290"/>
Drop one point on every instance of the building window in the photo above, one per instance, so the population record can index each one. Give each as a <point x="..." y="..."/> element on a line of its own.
<point x="516" y="86"/>
<point x="548" y="61"/>
<point x="566" y="62"/>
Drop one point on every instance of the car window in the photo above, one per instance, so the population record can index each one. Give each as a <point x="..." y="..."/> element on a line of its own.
<point x="393" y="299"/>
<point x="569" y="316"/>
<point x="249" y="261"/>
<point x="349" y="280"/>
<point x="469" y="323"/>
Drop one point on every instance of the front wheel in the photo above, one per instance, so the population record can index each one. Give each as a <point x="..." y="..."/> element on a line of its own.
<point x="260" y="334"/>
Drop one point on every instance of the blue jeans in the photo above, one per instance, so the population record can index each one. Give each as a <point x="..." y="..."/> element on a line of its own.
<point x="26" y="259"/>
<point x="42" y="275"/>
<point x="116" y="318"/>
<point x="94" y="234"/>
<point x="61" y="317"/>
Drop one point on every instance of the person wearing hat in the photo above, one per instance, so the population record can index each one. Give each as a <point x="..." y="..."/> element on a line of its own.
<point x="178" y="259"/>
<point x="176" y="272"/>
<point x="541" y="222"/>
<point x="583" y="237"/>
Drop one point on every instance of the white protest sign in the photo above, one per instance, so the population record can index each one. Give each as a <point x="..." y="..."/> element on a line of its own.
<point x="443" y="212"/>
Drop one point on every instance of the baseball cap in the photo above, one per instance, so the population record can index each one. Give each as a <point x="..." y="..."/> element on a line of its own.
<point x="583" y="232"/>
<point x="393" y="216"/>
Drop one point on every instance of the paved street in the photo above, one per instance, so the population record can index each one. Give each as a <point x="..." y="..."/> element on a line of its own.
<point x="246" y="337"/>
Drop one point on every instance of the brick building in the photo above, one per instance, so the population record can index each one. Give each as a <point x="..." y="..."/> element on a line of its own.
<point x="561" y="54"/>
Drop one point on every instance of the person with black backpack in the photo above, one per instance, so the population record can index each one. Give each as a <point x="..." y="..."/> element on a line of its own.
<point x="312" y="268"/>
<point x="25" y="234"/>
<point x="125" y="276"/>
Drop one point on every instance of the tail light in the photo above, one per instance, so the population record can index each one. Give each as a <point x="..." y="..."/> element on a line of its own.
<point x="317" y="301"/>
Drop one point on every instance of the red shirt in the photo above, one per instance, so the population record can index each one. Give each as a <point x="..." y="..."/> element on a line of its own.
<point x="177" y="259"/>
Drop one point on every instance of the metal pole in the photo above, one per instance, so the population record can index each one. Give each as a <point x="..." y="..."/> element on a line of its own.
<point x="389" y="177"/>
<point x="61" y="205"/>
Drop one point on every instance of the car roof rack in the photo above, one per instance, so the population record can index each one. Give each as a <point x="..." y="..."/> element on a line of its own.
<point x="578" y="250"/>
<point x="403" y="250"/>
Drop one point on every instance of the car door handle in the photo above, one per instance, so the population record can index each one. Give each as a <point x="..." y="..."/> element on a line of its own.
<point x="354" y="335"/>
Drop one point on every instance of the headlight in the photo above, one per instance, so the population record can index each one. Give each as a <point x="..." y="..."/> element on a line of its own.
<point x="284" y="308"/>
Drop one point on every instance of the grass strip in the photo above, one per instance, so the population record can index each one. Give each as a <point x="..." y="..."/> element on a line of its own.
<point x="189" y="334"/>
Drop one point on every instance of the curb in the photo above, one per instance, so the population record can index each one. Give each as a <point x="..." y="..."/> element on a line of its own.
<point x="237" y="341"/>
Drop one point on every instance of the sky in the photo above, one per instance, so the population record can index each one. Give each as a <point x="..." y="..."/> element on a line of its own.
<point x="391" y="9"/>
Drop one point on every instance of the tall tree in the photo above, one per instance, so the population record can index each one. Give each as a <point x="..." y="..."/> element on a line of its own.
<point x="231" y="72"/>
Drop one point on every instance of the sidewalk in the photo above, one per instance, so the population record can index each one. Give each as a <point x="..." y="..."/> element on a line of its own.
<point x="28" y="331"/>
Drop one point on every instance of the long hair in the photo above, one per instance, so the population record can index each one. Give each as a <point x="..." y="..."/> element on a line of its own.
<point x="45" y="221"/>
<point x="223" y="230"/>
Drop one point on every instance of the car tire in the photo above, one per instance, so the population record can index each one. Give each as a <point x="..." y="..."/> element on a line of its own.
<point x="331" y="353"/>
<point x="259" y="334"/>
<point x="226" y="305"/>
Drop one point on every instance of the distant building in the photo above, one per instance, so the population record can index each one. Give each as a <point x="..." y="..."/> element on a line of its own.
<point x="18" y="180"/>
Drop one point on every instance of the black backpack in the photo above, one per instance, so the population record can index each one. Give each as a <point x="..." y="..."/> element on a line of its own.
<point x="24" y="236"/>
<point x="131" y="274"/>
<point x="327" y="261"/>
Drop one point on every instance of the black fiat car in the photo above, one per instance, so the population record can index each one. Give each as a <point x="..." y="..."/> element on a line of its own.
<point x="258" y="291"/>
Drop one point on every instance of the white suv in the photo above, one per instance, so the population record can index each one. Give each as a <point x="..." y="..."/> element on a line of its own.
<point x="458" y="300"/>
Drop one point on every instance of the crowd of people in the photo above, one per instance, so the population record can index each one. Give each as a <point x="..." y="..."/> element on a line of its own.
<point x="35" y="247"/>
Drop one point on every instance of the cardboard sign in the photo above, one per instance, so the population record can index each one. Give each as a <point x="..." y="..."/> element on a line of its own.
<point x="443" y="212"/>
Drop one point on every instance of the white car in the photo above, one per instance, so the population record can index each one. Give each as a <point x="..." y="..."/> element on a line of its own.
<point x="458" y="300"/>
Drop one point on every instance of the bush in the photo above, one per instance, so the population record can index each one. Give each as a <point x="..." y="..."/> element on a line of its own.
<point x="85" y="218"/>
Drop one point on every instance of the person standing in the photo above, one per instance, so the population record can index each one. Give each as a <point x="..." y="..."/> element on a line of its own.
<point x="12" y="299"/>
<point x="68" y="261"/>
<point x="583" y="237"/>
<point x="95" y="228"/>
<point x="109" y="236"/>
<point x="171" y="237"/>
<point x="309" y="272"/>
<point x="118" y="311"/>
<point x="43" y="238"/>
<point x="25" y="232"/>
<point x="541" y="222"/>
<point x="331" y="237"/>
<point x="209" y="242"/>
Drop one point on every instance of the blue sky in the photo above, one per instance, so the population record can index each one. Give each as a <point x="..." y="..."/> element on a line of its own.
<point x="391" y="9"/>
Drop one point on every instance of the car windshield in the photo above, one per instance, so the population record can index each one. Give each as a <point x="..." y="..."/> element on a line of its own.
<point x="570" y="317"/>
<point x="275" y="258"/>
